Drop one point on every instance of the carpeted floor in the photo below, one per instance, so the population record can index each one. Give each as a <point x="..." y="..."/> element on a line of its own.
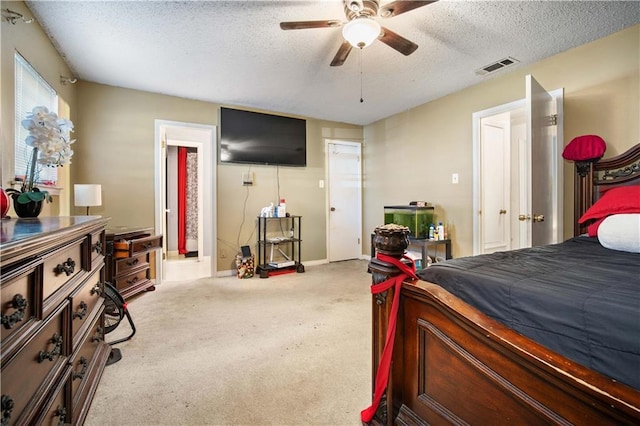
<point x="293" y="349"/>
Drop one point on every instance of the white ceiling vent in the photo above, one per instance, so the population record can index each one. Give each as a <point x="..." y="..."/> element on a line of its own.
<point x="495" y="66"/>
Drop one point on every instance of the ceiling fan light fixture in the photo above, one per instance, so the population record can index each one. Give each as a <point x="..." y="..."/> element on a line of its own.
<point x="361" y="32"/>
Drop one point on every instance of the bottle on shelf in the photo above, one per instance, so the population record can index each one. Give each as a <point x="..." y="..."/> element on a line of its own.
<point x="441" y="232"/>
<point x="432" y="231"/>
<point x="282" y="209"/>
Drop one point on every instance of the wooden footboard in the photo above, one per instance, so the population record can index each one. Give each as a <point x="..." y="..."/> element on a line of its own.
<point x="454" y="365"/>
<point x="457" y="366"/>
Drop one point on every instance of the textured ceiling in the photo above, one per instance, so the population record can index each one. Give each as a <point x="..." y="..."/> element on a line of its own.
<point x="234" y="52"/>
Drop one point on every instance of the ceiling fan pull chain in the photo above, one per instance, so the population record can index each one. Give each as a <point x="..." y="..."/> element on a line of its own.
<point x="361" y="100"/>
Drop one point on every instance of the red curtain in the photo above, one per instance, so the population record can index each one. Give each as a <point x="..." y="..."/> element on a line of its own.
<point x="182" y="200"/>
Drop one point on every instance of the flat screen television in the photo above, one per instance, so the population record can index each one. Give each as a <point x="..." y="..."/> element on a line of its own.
<point x="257" y="138"/>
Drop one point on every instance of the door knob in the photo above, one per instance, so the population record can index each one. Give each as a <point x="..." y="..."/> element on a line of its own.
<point x="503" y="211"/>
<point x="538" y="218"/>
<point x="522" y="217"/>
<point x="333" y="209"/>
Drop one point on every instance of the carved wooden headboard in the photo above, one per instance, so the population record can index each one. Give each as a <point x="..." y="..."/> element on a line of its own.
<point x="592" y="178"/>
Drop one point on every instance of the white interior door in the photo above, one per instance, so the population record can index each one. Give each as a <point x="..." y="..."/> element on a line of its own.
<point x="495" y="184"/>
<point x="345" y="200"/>
<point x="535" y="127"/>
<point x="545" y="168"/>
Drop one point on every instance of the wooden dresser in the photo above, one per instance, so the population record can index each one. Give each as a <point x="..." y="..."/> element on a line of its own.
<point x="130" y="255"/>
<point x="53" y="350"/>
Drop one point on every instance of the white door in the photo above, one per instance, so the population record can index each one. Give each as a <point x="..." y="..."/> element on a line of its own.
<point x="345" y="200"/>
<point x="495" y="184"/>
<point x="544" y="214"/>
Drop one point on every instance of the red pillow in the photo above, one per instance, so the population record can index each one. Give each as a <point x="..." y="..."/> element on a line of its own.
<point x="586" y="147"/>
<point x="621" y="199"/>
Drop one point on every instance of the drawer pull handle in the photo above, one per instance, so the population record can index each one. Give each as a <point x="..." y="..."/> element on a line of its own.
<point x="61" y="414"/>
<point x="67" y="267"/>
<point x="57" y="349"/>
<point x="20" y="303"/>
<point x="133" y="280"/>
<point x="81" y="373"/>
<point x="147" y="246"/>
<point x="133" y="262"/>
<point x="7" y="408"/>
<point x="98" y="337"/>
<point x="82" y="312"/>
<point x="97" y="289"/>
<point x="97" y="247"/>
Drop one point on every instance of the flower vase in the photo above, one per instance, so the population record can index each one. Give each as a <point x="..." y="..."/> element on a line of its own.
<point x="4" y="203"/>
<point x="30" y="209"/>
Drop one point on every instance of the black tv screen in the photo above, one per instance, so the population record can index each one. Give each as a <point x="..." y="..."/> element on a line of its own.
<point x="256" y="138"/>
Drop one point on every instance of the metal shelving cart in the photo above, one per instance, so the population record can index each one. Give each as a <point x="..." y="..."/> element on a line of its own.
<point x="279" y="245"/>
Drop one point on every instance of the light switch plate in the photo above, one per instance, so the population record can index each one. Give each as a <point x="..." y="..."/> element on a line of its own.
<point x="454" y="178"/>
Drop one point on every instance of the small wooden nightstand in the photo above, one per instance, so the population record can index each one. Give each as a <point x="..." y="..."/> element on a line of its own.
<point x="129" y="258"/>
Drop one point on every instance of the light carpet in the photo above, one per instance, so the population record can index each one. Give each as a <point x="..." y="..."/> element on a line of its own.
<point x="292" y="349"/>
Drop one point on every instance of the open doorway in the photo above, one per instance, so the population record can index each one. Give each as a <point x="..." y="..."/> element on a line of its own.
<point x="185" y="171"/>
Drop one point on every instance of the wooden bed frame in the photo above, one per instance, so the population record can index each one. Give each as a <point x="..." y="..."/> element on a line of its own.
<point x="454" y="365"/>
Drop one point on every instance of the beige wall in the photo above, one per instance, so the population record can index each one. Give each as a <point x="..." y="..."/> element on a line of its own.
<point x="34" y="45"/>
<point x="116" y="126"/>
<point x="434" y="140"/>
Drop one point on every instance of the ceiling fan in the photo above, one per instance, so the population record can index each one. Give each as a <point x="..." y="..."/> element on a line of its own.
<point x="362" y="29"/>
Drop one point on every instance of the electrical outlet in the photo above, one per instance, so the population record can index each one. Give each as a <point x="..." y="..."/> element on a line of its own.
<point x="321" y="183"/>
<point x="454" y="178"/>
<point x="223" y="253"/>
<point x="247" y="179"/>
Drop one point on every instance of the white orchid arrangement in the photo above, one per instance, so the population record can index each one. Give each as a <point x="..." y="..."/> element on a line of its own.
<point x="49" y="137"/>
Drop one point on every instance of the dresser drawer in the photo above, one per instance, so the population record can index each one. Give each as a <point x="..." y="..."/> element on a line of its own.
<point x="57" y="410"/>
<point x="18" y="304"/>
<point x="27" y="376"/>
<point x="62" y="266"/>
<point x="130" y="248"/>
<point x="125" y="265"/>
<point x="131" y="281"/>
<point x="84" y="302"/>
<point x="97" y="248"/>
<point x="84" y="362"/>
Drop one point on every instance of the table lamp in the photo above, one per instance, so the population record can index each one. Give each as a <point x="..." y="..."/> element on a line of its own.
<point x="87" y="195"/>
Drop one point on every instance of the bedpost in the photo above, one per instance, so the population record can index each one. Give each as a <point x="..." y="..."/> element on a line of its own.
<point x="583" y="193"/>
<point x="391" y="240"/>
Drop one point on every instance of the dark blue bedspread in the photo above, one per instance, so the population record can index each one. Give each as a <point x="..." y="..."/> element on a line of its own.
<point x="577" y="298"/>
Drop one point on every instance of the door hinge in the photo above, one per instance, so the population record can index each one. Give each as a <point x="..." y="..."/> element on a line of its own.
<point x="553" y="119"/>
<point x="358" y="241"/>
<point x="163" y="144"/>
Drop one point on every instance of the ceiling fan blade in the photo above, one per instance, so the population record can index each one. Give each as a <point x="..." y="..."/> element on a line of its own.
<point x="401" y="6"/>
<point x="342" y="54"/>
<point x="401" y="44"/>
<point x="301" y="25"/>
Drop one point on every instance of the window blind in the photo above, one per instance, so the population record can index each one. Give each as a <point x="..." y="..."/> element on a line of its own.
<point x="31" y="90"/>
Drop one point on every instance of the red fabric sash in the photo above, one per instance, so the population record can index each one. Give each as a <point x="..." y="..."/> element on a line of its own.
<point x="182" y="200"/>
<point x="382" y="376"/>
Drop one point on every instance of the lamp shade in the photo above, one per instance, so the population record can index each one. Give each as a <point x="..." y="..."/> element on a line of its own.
<point x="86" y="195"/>
<point x="361" y="32"/>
